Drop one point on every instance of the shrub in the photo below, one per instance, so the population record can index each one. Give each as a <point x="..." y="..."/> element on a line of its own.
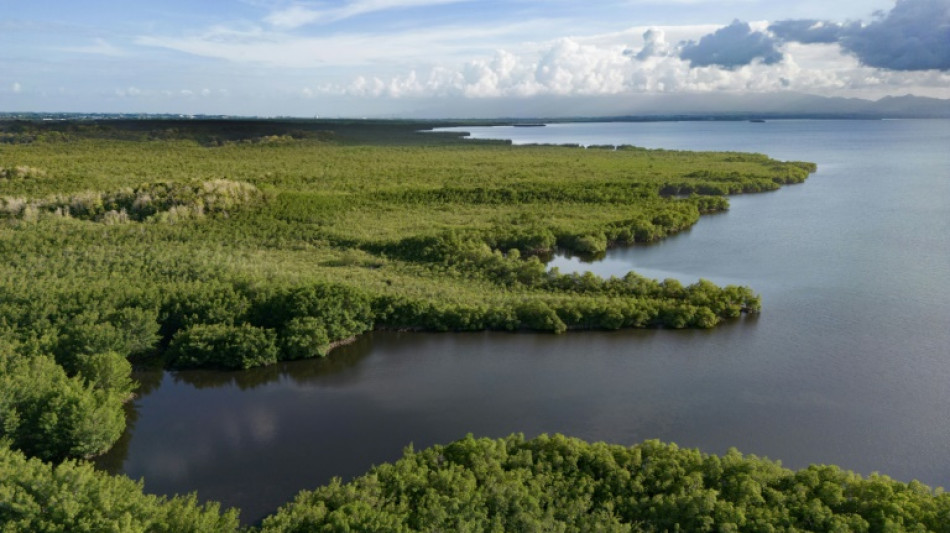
<point x="49" y="415"/>
<point x="304" y="337"/>
<point x="73" y="496"/>
<point x="222" y="345"/>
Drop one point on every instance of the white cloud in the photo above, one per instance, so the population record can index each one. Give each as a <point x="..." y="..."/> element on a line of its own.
<point x="299" y="15"/>
<point x="16" y="87"/>
<point x="654" y="45"/>
<point x="573" y="67"/>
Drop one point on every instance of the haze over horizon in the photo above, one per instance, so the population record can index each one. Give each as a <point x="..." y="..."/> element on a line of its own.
<point x="460" y="58"/>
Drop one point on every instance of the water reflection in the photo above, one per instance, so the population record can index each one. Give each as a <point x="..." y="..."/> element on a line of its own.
<point x="339" y="369"/>
<point x="211" y="427"/>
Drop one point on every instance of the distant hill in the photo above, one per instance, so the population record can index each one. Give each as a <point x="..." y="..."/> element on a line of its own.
<point x="690" y="106"/>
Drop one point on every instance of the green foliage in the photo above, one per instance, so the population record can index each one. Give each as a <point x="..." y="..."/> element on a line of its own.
<point x="539" y="316"/>
<point x="563" y="484"/>
<point x="342" y="311"/>
<point x="127" y="331"/>
<point x="108" y="371"/>
<point x="199" y="303"/>
<point x="222" y="346"/>
<point x="49" y="415"/>
<point x="304" y="337"/>
<point x="73" y="497"/>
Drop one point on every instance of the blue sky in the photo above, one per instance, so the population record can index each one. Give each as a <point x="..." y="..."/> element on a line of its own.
<point x="458" y="57"/>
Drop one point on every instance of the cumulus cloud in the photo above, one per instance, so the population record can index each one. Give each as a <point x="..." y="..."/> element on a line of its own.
<point x="731" y="47"/>
<point x="914" y="35"/>
<point x="16" y="87"/>
<point x="566" y="67"/>
<point x="576" y="68"/>
<point x="807" y="31"/>
<point x="654" y="44"/>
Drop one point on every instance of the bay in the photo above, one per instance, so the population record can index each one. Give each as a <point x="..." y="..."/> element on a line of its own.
<point x="849" y="363"/>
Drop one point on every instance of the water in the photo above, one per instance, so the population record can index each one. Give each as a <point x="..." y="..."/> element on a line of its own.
<point x="849" y="362"/>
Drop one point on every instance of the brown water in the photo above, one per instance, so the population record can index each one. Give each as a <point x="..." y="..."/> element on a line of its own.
<point x="849" y="362"/>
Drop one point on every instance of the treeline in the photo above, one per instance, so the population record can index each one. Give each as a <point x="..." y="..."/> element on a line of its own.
<point x="237" y="325"/>
<point x="524" y="193"/>
<point x="706" y="182"/>
<point x="550" y="483"/>
<point x="219" y="132"/>
<point x="562" y="484"/>
<point x="643" y="224"/>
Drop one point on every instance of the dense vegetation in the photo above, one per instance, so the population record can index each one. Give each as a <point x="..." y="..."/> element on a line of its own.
<point x="512" y="484"/>
<point x="562" y="484"/>
<point x="72" y="497"/>
<point x="237" y="244"/>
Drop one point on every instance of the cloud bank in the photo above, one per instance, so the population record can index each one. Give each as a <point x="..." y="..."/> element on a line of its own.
<point x="572" y="67"/>
<point x="908" y="46"/>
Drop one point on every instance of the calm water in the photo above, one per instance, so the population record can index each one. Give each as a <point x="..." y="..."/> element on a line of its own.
<point x="849" y="362"/>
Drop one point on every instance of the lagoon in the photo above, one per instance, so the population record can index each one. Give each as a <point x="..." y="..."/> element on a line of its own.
<point x="849" y="362"/>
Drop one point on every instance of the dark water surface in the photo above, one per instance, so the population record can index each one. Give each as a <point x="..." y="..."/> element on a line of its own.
<point x="849" y="362"/>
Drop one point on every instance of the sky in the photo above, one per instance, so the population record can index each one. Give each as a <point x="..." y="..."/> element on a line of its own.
<point x="458" y="58"/>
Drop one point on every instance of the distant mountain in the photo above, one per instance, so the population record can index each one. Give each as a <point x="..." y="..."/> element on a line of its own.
<point x="909" y="105"/>
<point x="689" y="106"/>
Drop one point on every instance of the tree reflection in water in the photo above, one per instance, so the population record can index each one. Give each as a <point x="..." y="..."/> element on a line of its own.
<point x="339" y="368"/>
